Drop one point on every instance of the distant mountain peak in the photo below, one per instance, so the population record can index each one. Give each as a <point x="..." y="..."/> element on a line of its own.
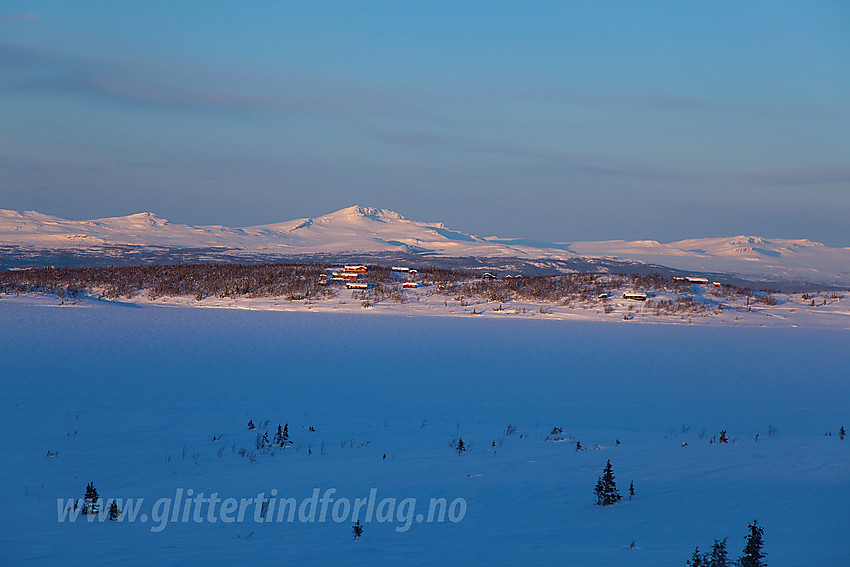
<point x="136" y="220"/>
<point x="357" y="212"/>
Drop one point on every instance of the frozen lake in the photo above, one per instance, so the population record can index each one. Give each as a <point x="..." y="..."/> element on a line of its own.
<point x="123" y="394"/>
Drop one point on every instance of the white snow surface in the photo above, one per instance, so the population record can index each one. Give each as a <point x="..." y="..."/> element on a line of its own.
<point x="366" y="229"/>
<point x="130" y="396"/>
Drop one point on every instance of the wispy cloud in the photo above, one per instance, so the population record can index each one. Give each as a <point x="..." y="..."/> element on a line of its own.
<point x="821" y="175"/>
<point x="655" y="101"/>
<point x="13" y="17"/>
<point x="538" y="160"/>
<point x="137" y="90"/>
<point x="165" y="85"/>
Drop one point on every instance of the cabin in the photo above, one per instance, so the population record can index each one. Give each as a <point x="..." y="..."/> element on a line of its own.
<point x="409" y="285"/>
<point x="345" y="276"/>
<point x="404" y="269"/>
<point x="357" y="285"/>
<point x="634" y="296"/>
<point x="703" y="281"/>
<point x="603" y="295"/>
<point x="358" y="269"/>
<point x="488" y="276"/>
<point x="348" y="275"/>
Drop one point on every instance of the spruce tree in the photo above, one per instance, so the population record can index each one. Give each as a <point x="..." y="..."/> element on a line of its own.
<point x="278" y="437"/>
<point x="753" y="556"/>
<point x="460" y="446"/>
<point x="250" y="424"/>
<point x="90" y="499"/>
<point x="717" y="558"/>
<point x="606" y="489"/>
<point x="696" y="559"/>
<point x="285" y="435"/>
<point x="598" y="490"/>
<point x="841" y="433"/>
<point x="723" y="437"/>
<point x="113" y="512"/>
<point x="358" y="529"/>
<point x="631" y="490"/>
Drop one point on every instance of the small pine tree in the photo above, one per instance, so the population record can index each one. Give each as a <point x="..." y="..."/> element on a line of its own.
<point x="265" y="438"/>
<point x="285" y="435"/>
<point x="631" y="489"/>
<point x="753" y="556"/>
<point x="358" y="529"/>
<point x="250" y="424"/>
<point x="578" y="445"/>
<point x="113" y="511"/>
<point x="841" y="433"/>
<point x="90" y="499"/>
<point x="599" y="490"/>
<point x="460" y="446"/>
<point x="717" y="558"/>
<point x="606" y="488"/>
<point x="723" y="437"/>
<point x="278" y="437"/>
<point x="696" y="559"/>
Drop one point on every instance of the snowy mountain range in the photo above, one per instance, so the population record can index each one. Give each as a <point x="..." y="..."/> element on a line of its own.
<point x="364" y="230"/>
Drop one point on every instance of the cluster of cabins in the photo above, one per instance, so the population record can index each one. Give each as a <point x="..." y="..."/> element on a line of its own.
<point x="406" y="270"/>
<point x="699" y="281"/>
<point x="489" y="276"/>
<point x="350" y="274"/>
<point x="640" y="296"/>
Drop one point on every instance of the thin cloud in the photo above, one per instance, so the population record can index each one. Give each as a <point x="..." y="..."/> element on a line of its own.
<point x="164" y="86"/>
<point x="822" y="175"/>
<point x="138" y="91"/>
<point x="599" y="168"/>
<point x="13" y="17"/>
<point x="655" y="101"/>
<point x="551" y="162"/>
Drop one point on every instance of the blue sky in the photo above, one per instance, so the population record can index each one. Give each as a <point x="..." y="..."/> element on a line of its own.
<point x="550" y="120"/>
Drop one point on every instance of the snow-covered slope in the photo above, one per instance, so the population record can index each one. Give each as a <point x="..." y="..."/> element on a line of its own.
<point x="365" y="229"/>
<point x="752" y="256"/>
<point x="353" y="229"/>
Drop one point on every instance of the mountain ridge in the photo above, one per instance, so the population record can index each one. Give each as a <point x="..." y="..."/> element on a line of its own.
<point x="362" y="229"/>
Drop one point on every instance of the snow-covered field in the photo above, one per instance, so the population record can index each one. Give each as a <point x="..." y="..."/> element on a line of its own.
<point x="144" y="401"/>
<point x="710" y="306"/>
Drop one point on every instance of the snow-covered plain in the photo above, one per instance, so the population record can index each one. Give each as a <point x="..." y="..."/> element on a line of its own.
<point x="130" y="396"/>
<point x="711" y="306"/>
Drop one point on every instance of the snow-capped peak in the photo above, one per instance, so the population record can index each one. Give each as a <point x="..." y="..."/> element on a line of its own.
<point x="369" y="213"/>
